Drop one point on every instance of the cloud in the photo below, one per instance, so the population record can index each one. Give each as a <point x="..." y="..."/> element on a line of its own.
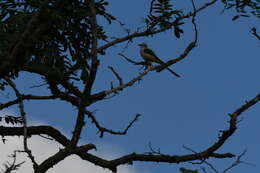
<point x="42" y="149"/>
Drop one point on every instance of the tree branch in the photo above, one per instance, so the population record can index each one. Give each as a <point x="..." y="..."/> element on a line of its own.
<point x="102" y="130"/>
<point x="118" y="77"/>
<point x="90" y="78"/>
<point x="103" y="94"/>
<point x="148" y="33"/>
<point x="23" y="115"/>
<point x="130" y="158"/>
<point x="209" y="152"/>
<point x="36" y="130"/>
<point x="26" y="97"/>
<point x="60" y="155"/>
<point x="254" y="32"/>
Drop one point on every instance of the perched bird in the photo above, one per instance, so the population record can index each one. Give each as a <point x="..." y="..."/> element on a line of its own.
<point x="149" y="56"/>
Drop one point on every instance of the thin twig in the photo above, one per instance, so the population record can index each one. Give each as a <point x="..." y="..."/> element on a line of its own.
<point x="119" y="78"/>
<point x="9" y="167"/>
<point x="236" y="162"/>
<point x="46" y="137"/>
<point x="193" y="21"/>
<point x="254" y="32"/>
<point x="102" y="130"/>
<point x="132" y="61"/>
<point x="202" y="160"/>
<point x="23" y="115"/>
<point x="37" y="86"/>
<point x="130" y="83"/>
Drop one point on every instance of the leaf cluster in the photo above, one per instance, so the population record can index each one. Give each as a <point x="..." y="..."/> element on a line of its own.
<point x="184" y="170"/>
<point x="2" y="84"/>
<point x="11" y="119"/>
<point x="243" y="7"/>
<point x="162" y="15"/>
<point x="62" y="35"/>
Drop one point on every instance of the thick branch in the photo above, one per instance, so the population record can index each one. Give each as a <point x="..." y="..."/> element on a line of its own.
<point x="36" y="130"/>
<point x="25" y="97"/>
<point x="90" y="78"/>
<point x="78" y="127"/>
<point x="62" y="154"/>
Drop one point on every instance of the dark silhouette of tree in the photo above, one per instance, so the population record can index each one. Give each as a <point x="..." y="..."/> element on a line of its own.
<point x="59" y="41"/>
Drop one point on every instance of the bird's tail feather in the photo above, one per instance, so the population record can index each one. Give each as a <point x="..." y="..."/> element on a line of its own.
<point x="175" y="74"/>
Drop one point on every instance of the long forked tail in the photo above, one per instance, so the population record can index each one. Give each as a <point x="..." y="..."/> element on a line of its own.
<point x="175" y="74"/>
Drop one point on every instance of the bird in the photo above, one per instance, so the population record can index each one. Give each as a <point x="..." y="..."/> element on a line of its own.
<point x="149" y="56"/>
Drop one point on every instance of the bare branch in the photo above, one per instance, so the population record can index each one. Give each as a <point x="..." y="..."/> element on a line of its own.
<point x="25" y="97"/>
<point x="117" y="75"/>
<point x="23" y="115"/>
<point x="236" y="162"/>
<point x="112" y="164"/>
<point x="103" y="130"/>
<point x="35" y="130"/>
<point x="101" y="95"/>
<point x="62" y="154"/>
<point x="131" y="61"/>
<point x="181" y="57"/>
<point x="10" y="167"/>
<point x="203" y="160"/>
<point x="194" y="23"/>
<point x="254" y="32"/>
<point x="209" y="152"/>
<point x="130" y="83"/>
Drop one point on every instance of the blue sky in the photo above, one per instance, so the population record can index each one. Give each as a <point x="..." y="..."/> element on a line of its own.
<point x="217" y="77"/>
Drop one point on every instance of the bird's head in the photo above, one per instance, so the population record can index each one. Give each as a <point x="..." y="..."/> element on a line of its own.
<point x="142" y="45"/>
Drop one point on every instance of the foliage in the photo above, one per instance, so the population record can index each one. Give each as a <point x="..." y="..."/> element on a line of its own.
<point x="184" y="170"/>
<point x="162" y="14"/>
<point x="63" y="40"/>
<point x="2" y="84"/>
<point x="12" y="119"/>
<point x="243" y="7"/>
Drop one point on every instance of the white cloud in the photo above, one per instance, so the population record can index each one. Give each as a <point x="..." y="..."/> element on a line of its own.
<point x="42" y="148"/>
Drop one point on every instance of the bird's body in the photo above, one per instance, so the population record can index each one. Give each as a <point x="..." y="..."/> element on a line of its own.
<point x="149" y="56"/>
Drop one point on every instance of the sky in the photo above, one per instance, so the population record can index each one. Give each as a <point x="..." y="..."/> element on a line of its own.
<point x="218" y="76"/>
